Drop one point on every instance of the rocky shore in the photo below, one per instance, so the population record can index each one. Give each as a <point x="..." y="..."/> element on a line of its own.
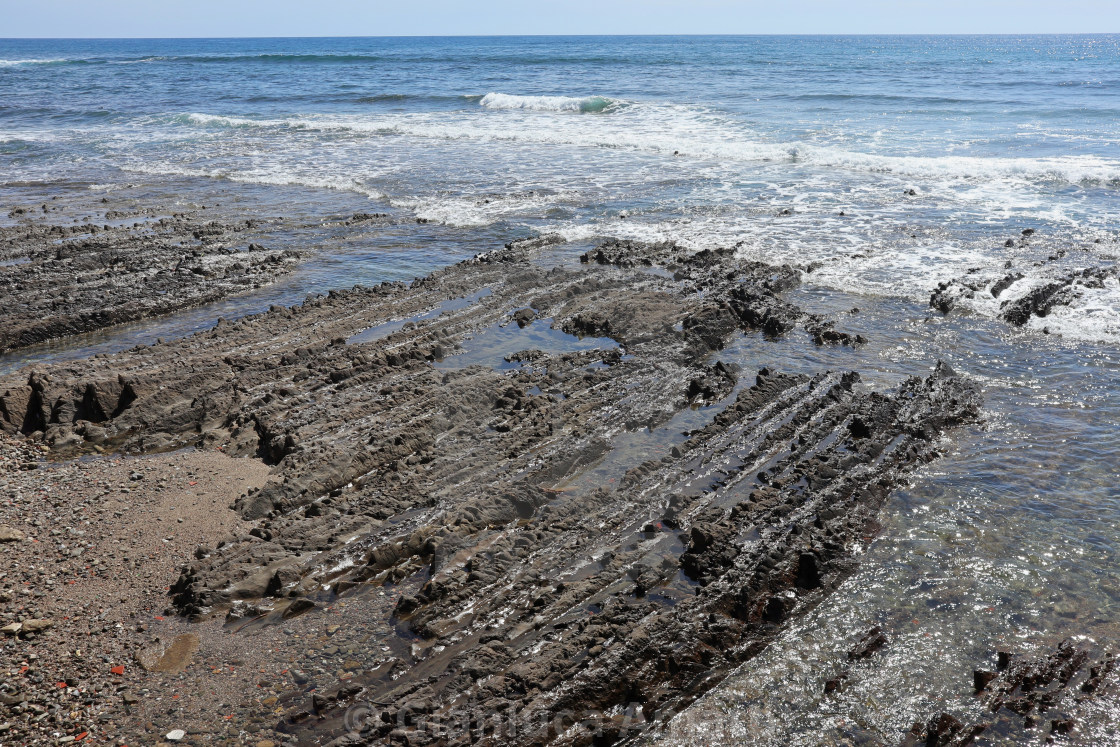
<point x="1066" y="692"/>
<point x="522" y="500"/>
<point x="1061" y="279"/>
<point x="64" y="275"/>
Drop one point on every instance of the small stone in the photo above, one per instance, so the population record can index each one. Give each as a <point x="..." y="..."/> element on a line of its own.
<point x="12" y="629"/>
<point x="175" y="735"/>
<point x="266" y="743"/>
<point x="37" y="626"/>
<point x="1062" y="726"/>
<point x="10" y="534"/>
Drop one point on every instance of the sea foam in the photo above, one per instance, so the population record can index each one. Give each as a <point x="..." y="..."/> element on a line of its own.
<point x="18" y="63"/>
<point x="588" y="105"/>
<point x="689" y="132"/>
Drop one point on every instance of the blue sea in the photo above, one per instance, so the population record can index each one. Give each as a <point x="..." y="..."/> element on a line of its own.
<point x="889" y="163"/>
<point x="702" y="140"/>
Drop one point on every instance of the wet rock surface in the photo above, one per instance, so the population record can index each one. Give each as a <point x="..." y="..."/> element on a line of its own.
<point x="1057" y="694"/>
<point x="437" y="508"/>
<point x="756" y="304"/>
<point x="61" y="277"/>
<point x="1033" y="291"/>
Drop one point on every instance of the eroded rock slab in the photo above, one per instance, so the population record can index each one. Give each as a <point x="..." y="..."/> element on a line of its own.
<point x="59" y="279"/>
<point x="579" y="611"/>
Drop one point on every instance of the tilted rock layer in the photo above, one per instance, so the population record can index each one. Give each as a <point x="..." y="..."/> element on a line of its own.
<point x="575" y="611"/>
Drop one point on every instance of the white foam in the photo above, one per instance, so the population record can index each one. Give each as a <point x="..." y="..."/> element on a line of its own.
<point x="16" y="63"/>
<point x="520" y="161"/>
<point x="694" y="132"/>
<point x="589" y="104"/>
<point x="482" y="210"/>
<point x="141" y="61"/>
<point x="1094" y="315"/>
<point x="217" y="120"/>
<point x="30" y="136"/>
<point x="274" y="176"/>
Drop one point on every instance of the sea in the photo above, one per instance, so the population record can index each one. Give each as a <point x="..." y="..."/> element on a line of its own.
<point x="887" y="164"/>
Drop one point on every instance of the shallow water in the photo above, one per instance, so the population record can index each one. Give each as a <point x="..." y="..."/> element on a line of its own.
<point x="340" y="256"/>
<point x="1007" y="542"/>
<point x="387" y="328"/>
<point x="495" y="345"/>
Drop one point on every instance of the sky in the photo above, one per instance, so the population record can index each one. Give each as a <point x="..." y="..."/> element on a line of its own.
<point x="214" y="18"/>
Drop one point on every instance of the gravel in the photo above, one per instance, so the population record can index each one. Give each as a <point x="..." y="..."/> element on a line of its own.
<point x="90" y="548"/>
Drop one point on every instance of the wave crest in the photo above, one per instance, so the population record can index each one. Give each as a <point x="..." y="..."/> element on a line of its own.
<point x="588" y="105"/>
<point x="20" y="63"/>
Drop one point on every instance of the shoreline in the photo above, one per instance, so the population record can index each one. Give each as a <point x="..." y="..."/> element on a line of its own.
<point x="67" y="273"/>
<point x="401" y="435"/>
<point x="792" y="423"/>
<point x="388" y="515"/>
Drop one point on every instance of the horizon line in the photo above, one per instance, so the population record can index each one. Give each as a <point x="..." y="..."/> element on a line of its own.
<point x="558" y="36"/>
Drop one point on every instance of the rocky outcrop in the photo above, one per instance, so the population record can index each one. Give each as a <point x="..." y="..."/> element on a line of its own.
<point x="1035" y="298"/>
<point x="548" y="553"/>
<point x="60" y="280"/>
<point x="1056" y="694"/>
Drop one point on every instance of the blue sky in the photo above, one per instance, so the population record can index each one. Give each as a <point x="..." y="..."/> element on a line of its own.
<point x="165" y="18"/>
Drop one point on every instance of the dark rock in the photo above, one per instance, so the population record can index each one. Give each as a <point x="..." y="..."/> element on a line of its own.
<point x="298" y="607"/>
<point x="81" y="278"/>
<point x="868" y="644"/>
<point x="981" y="678"/>
<point x="524" y="317"/>
<point x="443" y="485"/>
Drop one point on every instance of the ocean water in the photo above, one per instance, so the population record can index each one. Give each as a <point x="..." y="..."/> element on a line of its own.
<point x="704" y="140"/>
<point x="894" y="163"/>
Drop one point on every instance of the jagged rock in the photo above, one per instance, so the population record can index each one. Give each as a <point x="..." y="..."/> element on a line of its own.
<point x="79" y="278"/>
<point x="468" y="487"/>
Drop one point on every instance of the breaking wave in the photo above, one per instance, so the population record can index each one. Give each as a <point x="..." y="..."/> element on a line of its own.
<point x="588" y="105"/>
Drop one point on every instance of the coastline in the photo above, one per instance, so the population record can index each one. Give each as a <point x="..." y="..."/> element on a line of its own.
<point x="525" y="368"/>
<point x="794" y="424"/>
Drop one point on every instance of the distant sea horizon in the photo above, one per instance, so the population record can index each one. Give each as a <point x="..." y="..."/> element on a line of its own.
<point x="563" y="36"/>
